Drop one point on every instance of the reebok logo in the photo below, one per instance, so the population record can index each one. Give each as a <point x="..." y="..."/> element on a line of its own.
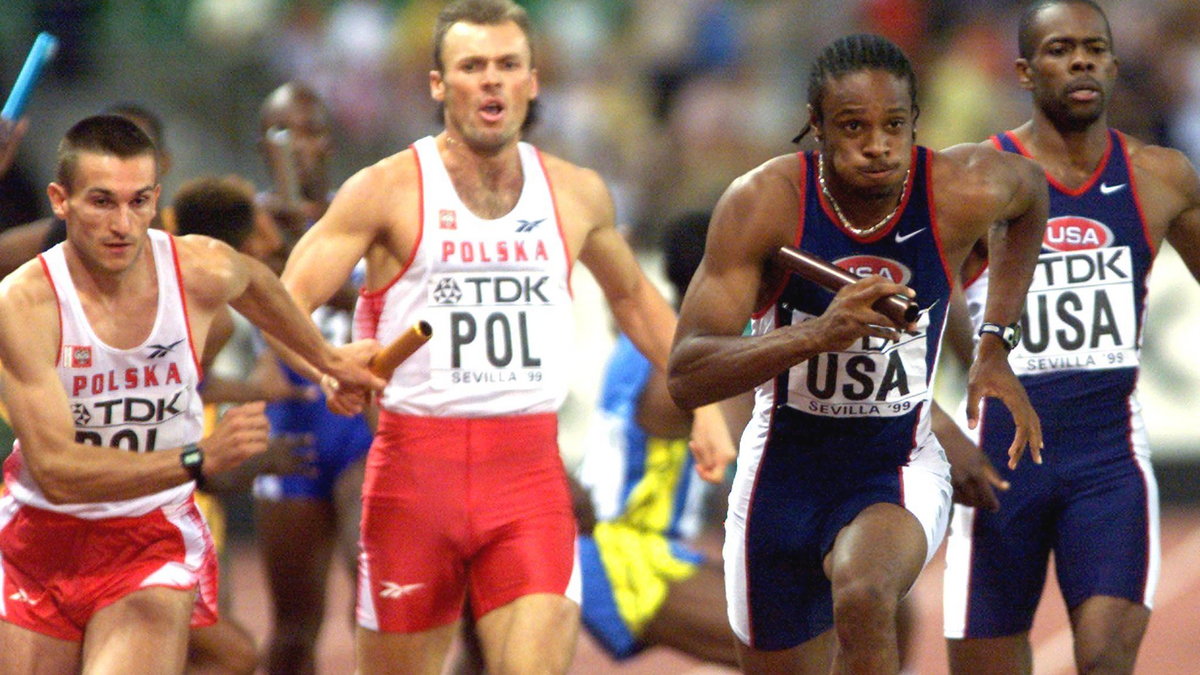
<point x="901" y="238"/>
<point x="394" y="591"/>
<point x="159" y="351"/>
<point x="1106" y="189"/>
<point x="21" y="596"/>
<point x="528" y="225"/>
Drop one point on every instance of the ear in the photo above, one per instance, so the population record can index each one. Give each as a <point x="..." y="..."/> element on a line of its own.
<point x="58" y="200"/>
<point x="533" y="91"/>
<point x="1024" y="73"/>
<point x="437" y="86"/>
<point x="814" y="123"/>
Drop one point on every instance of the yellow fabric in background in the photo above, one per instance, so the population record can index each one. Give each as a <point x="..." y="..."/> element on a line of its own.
<point x="637" y="556"/>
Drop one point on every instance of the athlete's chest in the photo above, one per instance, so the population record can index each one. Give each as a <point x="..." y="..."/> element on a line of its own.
<point x="122" y="323"/>
<point x="487" y="196"/>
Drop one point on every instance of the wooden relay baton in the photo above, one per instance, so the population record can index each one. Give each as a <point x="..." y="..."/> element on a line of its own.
<point x="396" y="351"/>
<point x="898" y="308"/>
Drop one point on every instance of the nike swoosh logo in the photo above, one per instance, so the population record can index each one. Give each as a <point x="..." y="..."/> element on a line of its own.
<point x="1106" y="189"/>
<point x="901" y="238"/>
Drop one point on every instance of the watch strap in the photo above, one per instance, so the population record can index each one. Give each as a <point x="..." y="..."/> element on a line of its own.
<point x="192" y="460"/>
<point x="1010" y="335"/>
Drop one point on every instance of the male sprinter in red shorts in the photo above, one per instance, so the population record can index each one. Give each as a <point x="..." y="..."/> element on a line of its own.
<point x="476" y="232"/>
<point x="104" y="558"/>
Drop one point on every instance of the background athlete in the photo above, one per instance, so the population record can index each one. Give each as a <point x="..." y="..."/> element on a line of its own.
<point x="306" y="521"/>
<point x="1094" y="504"/>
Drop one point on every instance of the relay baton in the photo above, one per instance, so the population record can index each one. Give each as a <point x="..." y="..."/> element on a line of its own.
<point x="392" y="355"/>
<point x="39" y="55"/>
<point x="831" y="277"/>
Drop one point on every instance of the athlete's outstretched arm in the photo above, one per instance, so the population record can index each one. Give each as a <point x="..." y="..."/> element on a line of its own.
<point x="981" y="186"/>
<point x="324" y="258"/>
<point x="215" y="274"/>
<point x="711" y="360"/>
<point x="645" y="316"/>
<point x="67" y="471"/>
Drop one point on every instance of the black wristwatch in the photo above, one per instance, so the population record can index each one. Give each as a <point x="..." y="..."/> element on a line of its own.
<point x="192" y="459"/>
<point x="1010" y="335"/>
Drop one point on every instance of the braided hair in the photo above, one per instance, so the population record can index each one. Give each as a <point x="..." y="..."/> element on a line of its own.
<point x="852" y="54"/>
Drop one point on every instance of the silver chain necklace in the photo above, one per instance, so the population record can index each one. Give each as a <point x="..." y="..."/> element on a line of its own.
<point x="862" y="232"/>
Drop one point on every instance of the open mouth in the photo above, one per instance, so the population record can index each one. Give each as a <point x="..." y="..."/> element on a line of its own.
<point x="492" y="111"/>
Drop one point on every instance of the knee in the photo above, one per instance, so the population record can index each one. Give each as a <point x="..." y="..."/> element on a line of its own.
<point x="862" y="604"/>
<point x="1115" y="656"/>
<point x="242" y="659"/>
<point x="230" y="651"/>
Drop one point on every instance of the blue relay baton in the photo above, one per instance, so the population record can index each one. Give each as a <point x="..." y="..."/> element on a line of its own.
<point x="39" y="55"/>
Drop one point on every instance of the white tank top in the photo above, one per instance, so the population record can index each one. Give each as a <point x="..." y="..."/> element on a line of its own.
<point x="140" y="399"/>
<point x="497" y="294"/>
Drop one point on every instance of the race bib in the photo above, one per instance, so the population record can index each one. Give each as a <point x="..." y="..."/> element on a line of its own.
<point x="498" y="328"/>
<point x="1079" y="314"/>
<point x="874" y="378"/>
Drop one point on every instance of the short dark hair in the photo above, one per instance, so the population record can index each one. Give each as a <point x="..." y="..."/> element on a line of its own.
<point x="481" y="12"/>
<point x="683" y="248"/>
<point x="851" y="54"/>
<point x="1026" y="45"/>
<point x="101" y="134"/>
<point x="221" y="207"/>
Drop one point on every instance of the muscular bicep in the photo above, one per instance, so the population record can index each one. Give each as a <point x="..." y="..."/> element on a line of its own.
<point x="721" y="297"/>
<point x="36" y="401"/>
<point x="753" y="219"/>
<point x="982" y="193"/>
<point x="611" y="261"/>
<point x="1184" y="229"/>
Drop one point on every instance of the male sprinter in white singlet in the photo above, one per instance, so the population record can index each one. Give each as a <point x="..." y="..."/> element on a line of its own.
<point x="476" y="233"/>
<point x="104" y="558"/>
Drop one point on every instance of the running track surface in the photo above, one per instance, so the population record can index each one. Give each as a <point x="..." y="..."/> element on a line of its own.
<point x="1171" y="646"/>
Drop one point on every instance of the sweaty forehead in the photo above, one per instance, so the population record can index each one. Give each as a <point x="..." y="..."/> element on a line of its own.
<point x="115" y="174"/>
<point x="866" y="89"/>
<point x="468" y="40"/>
<point x="1069" y="20"/>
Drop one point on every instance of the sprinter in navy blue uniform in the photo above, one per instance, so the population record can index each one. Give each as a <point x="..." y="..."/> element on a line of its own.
<point x="1094" y="503"/>
<point x="842" y="493"/>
